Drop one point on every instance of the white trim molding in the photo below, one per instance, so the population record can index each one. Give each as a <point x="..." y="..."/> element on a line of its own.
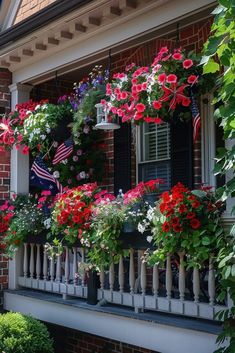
<point x="147" y="334"/>
<point x="77" y="46"/>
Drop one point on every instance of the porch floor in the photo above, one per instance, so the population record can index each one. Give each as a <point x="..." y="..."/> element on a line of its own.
<point x="191" y="323"/>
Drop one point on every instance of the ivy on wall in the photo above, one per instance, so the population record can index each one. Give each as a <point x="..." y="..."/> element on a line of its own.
<point x="219" y="56"/>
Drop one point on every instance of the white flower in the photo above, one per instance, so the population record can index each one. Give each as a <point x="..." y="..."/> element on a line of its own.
<point x="75" y="158"/>
<point x="48" y="130"/>
<point x="149" y="238"/>
<point x="37" y="131"/>
<point x="141" y="228"/>
<point x="47" y="223"/>
<point x="82" y="175"/>
<point x="56" y="174"/>
<point x="65" y="161"/>
<point x="43" y="137"/>
<point x="55" y="144"/>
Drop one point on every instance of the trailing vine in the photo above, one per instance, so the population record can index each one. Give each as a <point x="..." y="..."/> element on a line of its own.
<point x="219" y="56"/>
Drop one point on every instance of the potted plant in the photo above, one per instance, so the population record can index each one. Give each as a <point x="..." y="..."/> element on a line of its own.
<point x="189" y="222"/>
<point x="155" y="93"/>
<point x="25" y="218"/>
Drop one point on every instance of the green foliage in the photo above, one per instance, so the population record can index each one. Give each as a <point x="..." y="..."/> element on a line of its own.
<point x="28" y="219"/>
<point x="106" y="229"/>
<point x="219" y="55"/>
<point x="23" y="334"/>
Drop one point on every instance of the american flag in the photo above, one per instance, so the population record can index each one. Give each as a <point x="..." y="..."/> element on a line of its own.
<point x="195" y="116"/>
<point x="41" y="177"/>
<point x="63" y="151"/>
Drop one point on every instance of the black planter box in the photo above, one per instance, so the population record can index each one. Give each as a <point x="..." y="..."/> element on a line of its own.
<point x="42" y="238"/>
<point x="135" y="240"/>
<point x="92" y="287"/>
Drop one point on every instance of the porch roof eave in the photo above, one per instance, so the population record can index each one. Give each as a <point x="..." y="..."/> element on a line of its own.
<point x="76" y="32"/>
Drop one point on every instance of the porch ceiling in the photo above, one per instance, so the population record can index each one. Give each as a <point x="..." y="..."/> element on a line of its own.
<point x="75" y="31"/>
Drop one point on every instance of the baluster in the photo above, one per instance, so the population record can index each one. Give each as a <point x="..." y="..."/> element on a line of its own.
<point x="111" y="276"/>
<point x="45" y="264"/>
<point x="52" y="268"/>
<point x="121" y="274"/>
<point x="31" y="264"/>
<point x="66" y="271"/>
<point x="102" y="278"/>
<point x="182" y="276"/>
<point x="211" y="282"/>
<point x="155" y="280"/>
<point x="25" y="265"/>
<point x="143" y="277"/>
<point x="196" y="284"/>
<point x="168" y="277"/>
<point x="83" y="272"/>
<point x="38" y="261"/>
<point x="75" y="266"/>
<point x="132" y="272"/>
<point x="58" y="268"/>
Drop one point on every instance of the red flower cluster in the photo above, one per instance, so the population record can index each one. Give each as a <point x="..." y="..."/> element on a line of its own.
<point x="182" y="209"/>
<point x="6" y="213"/>
<point x="8" y="124"/>
<point x="73" y="210"/>
<point x="152" y="93"/>
<point x="135" y="194"/>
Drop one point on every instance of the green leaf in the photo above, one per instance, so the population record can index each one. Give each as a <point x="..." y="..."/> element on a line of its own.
<point x="232" y="123"/>
<point x="211" y="67"/>
<point x="225" y="3"/>
<point x="233" y="270"/>
<point x="199" y="193"/>
<point x="206" y="241"/>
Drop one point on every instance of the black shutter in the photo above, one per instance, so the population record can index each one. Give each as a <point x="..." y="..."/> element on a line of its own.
<point x="122" y="158"/>
<point x="182" y="153"/>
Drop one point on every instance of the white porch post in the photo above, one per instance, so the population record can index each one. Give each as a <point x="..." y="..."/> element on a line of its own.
<point x="208" y="142"/>
<point x="19" y="179"/>
<point x="228" y="217"/>
<point x="19" y="162"/>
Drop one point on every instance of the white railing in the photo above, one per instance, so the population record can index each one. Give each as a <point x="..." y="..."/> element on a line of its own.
<point x="131" y="283"/>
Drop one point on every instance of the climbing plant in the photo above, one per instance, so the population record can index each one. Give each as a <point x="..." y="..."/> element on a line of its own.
<point x="219" y="56"/>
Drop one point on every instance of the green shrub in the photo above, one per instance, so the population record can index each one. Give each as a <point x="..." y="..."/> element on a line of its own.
<point x="23" y="334"/>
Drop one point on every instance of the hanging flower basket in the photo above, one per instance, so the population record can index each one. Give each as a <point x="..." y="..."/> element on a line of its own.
<point x="159" y="92"/>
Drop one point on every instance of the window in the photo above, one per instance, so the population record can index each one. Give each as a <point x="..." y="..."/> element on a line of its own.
<point x="155" y="153"/>
<point x="166" y="151"/>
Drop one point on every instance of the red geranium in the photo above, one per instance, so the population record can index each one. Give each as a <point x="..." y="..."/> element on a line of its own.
<point x="195" y="223"/>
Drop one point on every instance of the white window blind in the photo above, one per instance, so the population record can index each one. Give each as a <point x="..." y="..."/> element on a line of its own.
<point x="154" y="153"/>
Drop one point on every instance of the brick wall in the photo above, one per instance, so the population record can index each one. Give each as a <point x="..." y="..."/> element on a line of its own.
<point x="30" y="7"/>
<point x="72" y="341"/>
<point x="5" y="81"/>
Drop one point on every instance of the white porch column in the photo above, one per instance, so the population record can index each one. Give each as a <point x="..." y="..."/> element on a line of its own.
<point x="19" y="162"/>
<point x="208" y="142"/>
<point x="228" y="217"/>
<point x="19" y="179"/>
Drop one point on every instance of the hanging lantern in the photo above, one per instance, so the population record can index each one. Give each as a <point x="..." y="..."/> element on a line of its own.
<point x="103" y="122"/>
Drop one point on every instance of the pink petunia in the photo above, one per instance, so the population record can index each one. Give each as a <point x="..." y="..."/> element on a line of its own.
<point x="138" y="116"/>
<point x="157" y="105"/>
<point x="161" y="78"/>
<point x="177" y="56"/>
<point x="25" y="150"/>
<point x="187" y="63"/>
<point x="192" y="79"/>
<point x="140" y="107"/>
<point x="171" y="78"/>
